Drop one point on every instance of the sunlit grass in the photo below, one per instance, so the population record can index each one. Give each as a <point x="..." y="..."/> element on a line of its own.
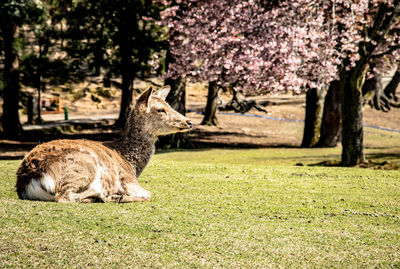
<point x="216" y="208"/>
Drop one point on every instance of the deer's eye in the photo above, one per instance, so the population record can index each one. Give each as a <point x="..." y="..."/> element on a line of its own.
<point x="161" y="110"/>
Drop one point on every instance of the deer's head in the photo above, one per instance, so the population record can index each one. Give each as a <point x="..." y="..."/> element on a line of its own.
<point x="156" y="117"/>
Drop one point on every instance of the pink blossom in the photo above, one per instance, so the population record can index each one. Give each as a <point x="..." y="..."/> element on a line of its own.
<point x="296" y="44"/>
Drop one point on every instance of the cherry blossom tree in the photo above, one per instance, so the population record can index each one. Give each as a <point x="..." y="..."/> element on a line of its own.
<point x="373" y="35"/>
<point x="246" y="44"/>
<point x="289" y="46"/>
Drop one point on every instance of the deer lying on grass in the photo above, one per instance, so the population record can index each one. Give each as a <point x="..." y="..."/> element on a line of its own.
<point x="87" y="171"/>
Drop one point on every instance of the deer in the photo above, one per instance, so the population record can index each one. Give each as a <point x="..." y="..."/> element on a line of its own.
<point x="81" y="170"/>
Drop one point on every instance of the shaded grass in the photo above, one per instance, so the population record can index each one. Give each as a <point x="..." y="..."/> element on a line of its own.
<point x="216" y="208"/>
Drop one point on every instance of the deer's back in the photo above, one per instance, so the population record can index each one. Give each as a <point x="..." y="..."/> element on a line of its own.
<point x="63" y="156"/>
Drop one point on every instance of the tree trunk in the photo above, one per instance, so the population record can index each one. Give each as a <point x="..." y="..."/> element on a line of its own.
<point x="312" y="124"/>
<point x="98" y="59"/>
<point x="127" y="72"/>
<point x="10" y="119"/>
<point x="39" y="85"/>
<point x="177" y="100"/>
<point x="331" y="118"/>
<point x="126" y="100"/>
<point x="210" y="115"/>
<point x="98" y="52"/>
<point x="351" y="83"/>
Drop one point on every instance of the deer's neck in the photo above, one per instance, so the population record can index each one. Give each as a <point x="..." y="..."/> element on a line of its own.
<point x="136" y="146"/>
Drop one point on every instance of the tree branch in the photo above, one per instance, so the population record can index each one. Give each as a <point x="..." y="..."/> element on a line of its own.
<point x="390" y="50"/>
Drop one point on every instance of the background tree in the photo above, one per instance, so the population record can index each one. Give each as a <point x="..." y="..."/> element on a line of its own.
<point x="312" y="122"/>
<point x="121" y="35"/>
<point x="210" y="112"/>
<point x="13" y="15"/>
<point x="378" y="98"/>
<point x="331" y="121"/>
<point x="34" y="24"/>
<point x="177" y="100"/>
<point x="286" y="47"/>
<point x="245" y="44"/>
<point x="40" y="37"/>
<point x="177" y="96"/>
<point x="375" y="32"/>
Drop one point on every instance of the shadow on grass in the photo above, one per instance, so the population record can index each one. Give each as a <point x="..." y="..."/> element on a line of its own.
<point x="11" y="158"/>
<point x="199" y="141"/>
<point x="232" y="139"/>
<point x="387" y="156"/>
<point x="377" y="161"/>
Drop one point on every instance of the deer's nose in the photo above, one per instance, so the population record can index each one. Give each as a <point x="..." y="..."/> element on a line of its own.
<point x="189" y="123"/>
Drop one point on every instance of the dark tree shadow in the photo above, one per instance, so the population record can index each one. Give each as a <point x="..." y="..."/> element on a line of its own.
<point x="377" y="161"/>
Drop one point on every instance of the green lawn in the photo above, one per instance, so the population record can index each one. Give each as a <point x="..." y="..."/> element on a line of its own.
<point x="217" y="208"/>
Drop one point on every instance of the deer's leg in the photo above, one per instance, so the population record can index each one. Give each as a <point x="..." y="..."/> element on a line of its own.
<point x="72" y="192"/>
<point x="87" y="196"/>
<point x="115" y="198"/>
<point x="78" y="189"/>
<point x="134" y="193"/>
<point x="65" y="197"/>
<point x="78" y="181"/>
<point x="130" y="199"/>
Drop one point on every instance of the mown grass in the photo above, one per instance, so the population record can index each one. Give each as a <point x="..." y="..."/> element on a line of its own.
<point x="216" y="208"/>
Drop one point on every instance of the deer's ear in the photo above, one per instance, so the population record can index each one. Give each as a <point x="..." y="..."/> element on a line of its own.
<point x="144" y="98"/>
<point x="163" y="92"/>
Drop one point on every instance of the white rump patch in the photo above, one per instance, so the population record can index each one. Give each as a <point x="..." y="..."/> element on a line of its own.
<point x="35" y="189"/>
<point x="48" y="183"/>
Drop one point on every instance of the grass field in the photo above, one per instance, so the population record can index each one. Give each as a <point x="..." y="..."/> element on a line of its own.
<point x="216" y="208"/>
